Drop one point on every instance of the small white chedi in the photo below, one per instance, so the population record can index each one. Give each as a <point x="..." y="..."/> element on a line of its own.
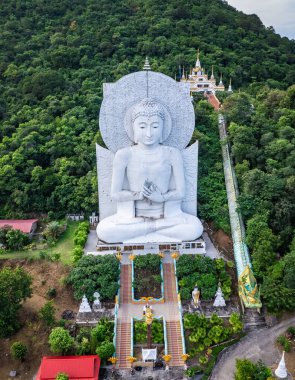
<point x="152" y="191"/>
<point x="281" y="371"/>
<point x="219" y="300"/>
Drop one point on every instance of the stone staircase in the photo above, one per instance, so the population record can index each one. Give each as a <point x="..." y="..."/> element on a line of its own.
<point x="174" y="343"/>
<point x="170" y="294"/>
<point x="169" y="309"/>
<point x="125" y="282"/>
<point x="253" y="320"/>
<point x="123" y="344"/>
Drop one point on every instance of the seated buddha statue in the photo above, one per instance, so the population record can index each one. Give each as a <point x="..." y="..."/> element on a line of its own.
<point x="148" y="185"/>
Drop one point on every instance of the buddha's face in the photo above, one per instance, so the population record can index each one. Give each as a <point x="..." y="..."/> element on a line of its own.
<point x="148" y="130"/>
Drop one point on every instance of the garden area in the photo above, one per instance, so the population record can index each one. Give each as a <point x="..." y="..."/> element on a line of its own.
<point x="54" y="240"/>
<point x="147" y="281"/>
<point x="207" y="337"/>
<point x="140" y="336"/>
<point x="207" y="274"/>
<point x="95" y="274"/>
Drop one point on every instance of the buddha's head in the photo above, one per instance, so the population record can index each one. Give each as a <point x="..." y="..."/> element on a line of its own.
<point x="149" y="123"/>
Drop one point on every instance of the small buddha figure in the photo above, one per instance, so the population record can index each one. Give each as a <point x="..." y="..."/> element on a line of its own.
<point x="196" y="296"/>
<point x="148" y="185"/>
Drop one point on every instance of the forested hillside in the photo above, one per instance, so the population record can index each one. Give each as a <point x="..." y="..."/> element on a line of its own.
<point x="262" y="135"/>
<point x="55" y="56"/>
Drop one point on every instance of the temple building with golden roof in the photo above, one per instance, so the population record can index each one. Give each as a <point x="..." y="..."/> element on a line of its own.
<point x="199" y="81"/>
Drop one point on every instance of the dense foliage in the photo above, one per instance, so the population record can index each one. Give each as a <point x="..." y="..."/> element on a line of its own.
<point x="15" y="287"/>
<point x="204" y="332"/>
<point x="211" y="187"/>
<point x="95" y="273"/>
<point x="204" y="272"/>
<point x="96" y="340"/>
<point x="262" y="136"/>
<point x="140" y="332"/>
<point x="56" y="55"/>
<point x="12" y="239"/>
<point x="147" y="276"/>
<point x="247" y="370"/>
<point x="81" y="235"/>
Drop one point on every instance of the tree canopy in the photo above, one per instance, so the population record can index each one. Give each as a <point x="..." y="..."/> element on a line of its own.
<point x="15" y="287"/>
<point x="55" y="57"/>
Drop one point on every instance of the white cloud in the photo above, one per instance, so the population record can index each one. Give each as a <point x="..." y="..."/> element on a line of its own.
<point x="277" y="13"/>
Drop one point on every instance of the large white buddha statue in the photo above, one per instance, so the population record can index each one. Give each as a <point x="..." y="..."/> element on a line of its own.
<point x="148" y="184"/>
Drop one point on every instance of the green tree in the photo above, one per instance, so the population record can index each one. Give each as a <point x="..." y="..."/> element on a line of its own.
<point x="60" y="340"/>
<point x="18" y="350"/>
<point x="47" y="313"/>
<point x="15" y="287"/>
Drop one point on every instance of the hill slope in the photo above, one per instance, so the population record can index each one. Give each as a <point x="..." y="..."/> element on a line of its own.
<point x="55" y="56"/>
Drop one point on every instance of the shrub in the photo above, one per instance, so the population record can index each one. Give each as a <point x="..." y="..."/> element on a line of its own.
<point x="236" y="323"/>
<point x="203" y="359"/>
<point x="77" y="254"/>
<point x="62" y="376"/>
<point x="80" y="238"/>
<point x="13" y="239"/>
<point x="47" y="313"/>
<point x="18" y="350"/>
<point x="291" y="330"/>
<point x="249" y="370"/>
<point x="283" y="341"/>
<point x="105" y="350"/>
<point x="44" y="255"/>
<point x="53" y="230"/>
<point x="157" y="332"/>
<point x="51" y="293"/>
<point x="60" y="340"/>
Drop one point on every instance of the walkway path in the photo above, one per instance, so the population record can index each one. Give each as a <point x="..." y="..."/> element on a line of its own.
<point x="169" y="310"/>
<point x="257" y="345"/>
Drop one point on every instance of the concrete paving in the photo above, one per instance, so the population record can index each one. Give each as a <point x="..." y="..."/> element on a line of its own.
<point x="211" y="251"/>
<point x="257" y="345"/>
<point x="91" y="242"/>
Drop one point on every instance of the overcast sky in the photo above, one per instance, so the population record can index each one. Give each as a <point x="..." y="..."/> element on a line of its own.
<point x="277" y="13"/>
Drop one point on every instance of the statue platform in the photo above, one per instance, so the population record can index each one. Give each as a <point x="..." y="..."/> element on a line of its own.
<point x="197" y="246"/>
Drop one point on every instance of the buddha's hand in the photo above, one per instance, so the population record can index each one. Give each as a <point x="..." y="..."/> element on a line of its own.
<point x="138" y="195"/>
<point x="153" y="193"/>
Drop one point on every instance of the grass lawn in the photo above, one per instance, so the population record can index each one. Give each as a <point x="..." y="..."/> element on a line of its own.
<point x="64" y="246"/>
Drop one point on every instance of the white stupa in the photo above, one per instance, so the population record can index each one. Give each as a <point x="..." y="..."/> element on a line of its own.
<point x="85" y="307"/>
<point x="219" y="300"/>
<point x="281" y="371"/>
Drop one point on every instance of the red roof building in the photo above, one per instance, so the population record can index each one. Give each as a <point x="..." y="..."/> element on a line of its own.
<point x="27" y="226"/>
<point x="76" y="367"/>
